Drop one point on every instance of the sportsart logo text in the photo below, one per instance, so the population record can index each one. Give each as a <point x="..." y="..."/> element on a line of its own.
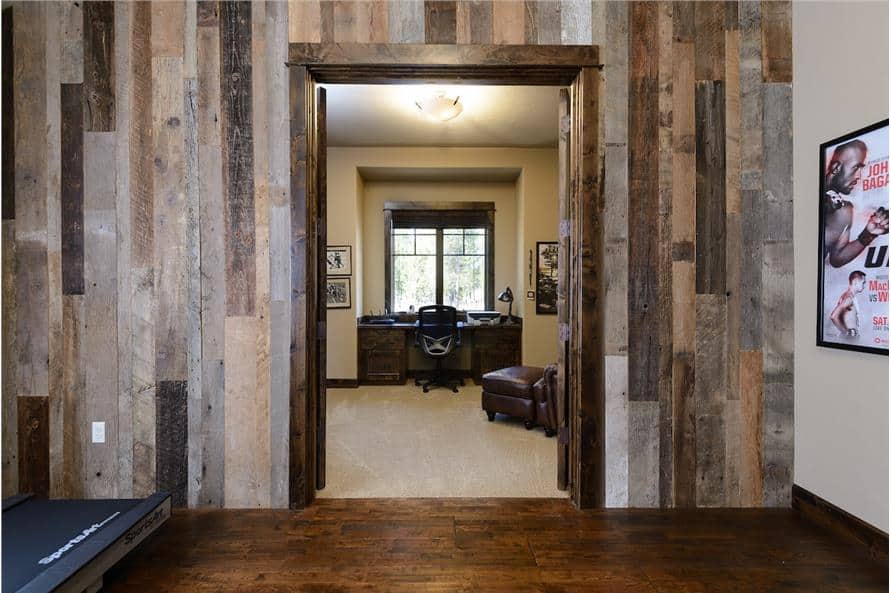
<point x="76" y="540"/>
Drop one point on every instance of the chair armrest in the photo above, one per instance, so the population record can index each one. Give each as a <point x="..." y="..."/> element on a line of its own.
<point x="540" y="391"/>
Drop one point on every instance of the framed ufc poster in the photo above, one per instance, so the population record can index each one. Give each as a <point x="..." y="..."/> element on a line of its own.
<point x="852" y="298"/>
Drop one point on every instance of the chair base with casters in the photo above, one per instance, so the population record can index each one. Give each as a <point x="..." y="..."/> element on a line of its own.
<point x="439" y="378"/>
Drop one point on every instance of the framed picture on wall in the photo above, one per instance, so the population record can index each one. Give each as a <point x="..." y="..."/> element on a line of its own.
<point x="339" y="293"/>
<point x="339" y="260"/>
<point x="546" y="278"/>
<point x="852" y="290"/>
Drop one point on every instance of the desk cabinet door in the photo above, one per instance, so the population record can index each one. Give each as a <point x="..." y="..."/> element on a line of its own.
<point x="495" y="349"/>
<point x="382" y="357"/>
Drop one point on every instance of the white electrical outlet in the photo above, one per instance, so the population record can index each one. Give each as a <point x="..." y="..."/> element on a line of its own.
<point x="98" y="432"/>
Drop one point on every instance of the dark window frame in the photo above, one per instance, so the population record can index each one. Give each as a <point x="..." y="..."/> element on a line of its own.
<point x="439" y="216"/>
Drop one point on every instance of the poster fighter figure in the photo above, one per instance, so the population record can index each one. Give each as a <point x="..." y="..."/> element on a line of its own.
<point x="846" y="315"/>
<point x="842" y="176"/>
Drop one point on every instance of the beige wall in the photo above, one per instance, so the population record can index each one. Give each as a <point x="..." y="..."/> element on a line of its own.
<point x="841" y="398"/>
<point x="519" y="223"/>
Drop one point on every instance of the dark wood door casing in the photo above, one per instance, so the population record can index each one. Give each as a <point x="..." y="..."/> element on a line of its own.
<point x="577" y="66"/>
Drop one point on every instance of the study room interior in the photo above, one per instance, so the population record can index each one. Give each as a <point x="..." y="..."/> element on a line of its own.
<point x="442" y="228"/>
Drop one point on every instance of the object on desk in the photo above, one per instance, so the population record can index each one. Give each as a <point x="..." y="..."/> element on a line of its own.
<point x="546" y="278"/>
<point x="339" y="260"/>
<point x="438" y="336"/>
<point x="507" y="296"/>
<point x="483" y="317"/>
<point x="338" y="293"/>
<point x="530" y="295"/>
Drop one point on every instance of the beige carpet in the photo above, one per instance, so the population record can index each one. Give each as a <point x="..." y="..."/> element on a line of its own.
<point x="400" y="442"/>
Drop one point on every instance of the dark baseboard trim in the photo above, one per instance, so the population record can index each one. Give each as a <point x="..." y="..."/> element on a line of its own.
<point x="826" y="514"/>
<point x="342" y="383"/>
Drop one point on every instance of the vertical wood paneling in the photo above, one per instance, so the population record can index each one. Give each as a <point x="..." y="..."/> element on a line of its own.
<point x="751" y="402"/>
<point x="34" y="433"/>
<point x="643" y="203"/>
<point x="72" y="190"/>
<point x="508" y="22"/>
<point x="405" y="21"/>
<point x="7" y="93"/>
<point x="172" y="436"/>
<point x="73" y="400"/>
<point x="643" y="454"/>
<point x="616" y="431"/>
<point x="711" y="204"/>
<point x="575" y="22"/>
<point x="124" y="234"/>
<point x="8" y="412"/>
<point x="542" y="22"/>
<point x="99" y="72"/>
<point x="709" y="21"/>
<point x="710" y="395"/>
<point x="474" y="21"/>
<point x="72" y="38"/>
<point x="440" y="21"/>
<point x="238" y="156"/>
<point x="100" y="305"/>
<point x="168" y="22"/>
<point x="776" y="36"/>
<point x="304" y="22"/>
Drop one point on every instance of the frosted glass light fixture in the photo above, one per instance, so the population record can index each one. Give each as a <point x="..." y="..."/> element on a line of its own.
<point x="439" y="106"/>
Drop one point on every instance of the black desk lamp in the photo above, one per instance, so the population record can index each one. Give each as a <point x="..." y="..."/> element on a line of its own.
<point x="507" y="296"/>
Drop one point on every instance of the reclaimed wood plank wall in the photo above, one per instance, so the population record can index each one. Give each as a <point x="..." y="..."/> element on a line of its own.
<point x="152" y="294"/>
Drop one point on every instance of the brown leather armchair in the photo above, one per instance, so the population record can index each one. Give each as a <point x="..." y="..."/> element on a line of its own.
<point x="544" y="392"/>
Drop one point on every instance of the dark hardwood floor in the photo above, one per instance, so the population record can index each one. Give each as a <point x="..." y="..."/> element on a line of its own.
<point x="492" y="545"/>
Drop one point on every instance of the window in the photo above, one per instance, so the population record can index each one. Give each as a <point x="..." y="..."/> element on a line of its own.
<point x="440" y="254"/>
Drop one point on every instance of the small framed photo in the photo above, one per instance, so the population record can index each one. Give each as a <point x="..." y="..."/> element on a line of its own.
<point x="546" y="278"/>
<point x="339" y="260"/>
<point x="339" y="293"/>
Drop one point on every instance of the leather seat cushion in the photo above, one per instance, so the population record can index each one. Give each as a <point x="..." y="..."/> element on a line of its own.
<point x="508" y="404"/>
<point x="513" y="381"/>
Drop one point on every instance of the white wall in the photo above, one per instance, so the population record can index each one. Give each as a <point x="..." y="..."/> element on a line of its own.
<point x="840" y="78"/>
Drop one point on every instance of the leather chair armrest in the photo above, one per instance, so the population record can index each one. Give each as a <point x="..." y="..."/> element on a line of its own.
<point x="540" y="391"/>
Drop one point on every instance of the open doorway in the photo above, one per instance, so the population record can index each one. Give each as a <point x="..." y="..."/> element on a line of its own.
<point x="441" y="195"/>
<point x="580" y="461"/>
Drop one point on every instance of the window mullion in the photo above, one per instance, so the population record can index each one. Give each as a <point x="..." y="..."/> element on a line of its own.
<point x="439" y="266"/>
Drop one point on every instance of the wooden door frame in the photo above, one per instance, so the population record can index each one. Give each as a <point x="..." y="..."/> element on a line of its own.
<point x="575" y="66"/>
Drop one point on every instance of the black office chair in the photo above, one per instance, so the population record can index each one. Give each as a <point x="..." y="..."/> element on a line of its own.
<point x="438" y="336"/>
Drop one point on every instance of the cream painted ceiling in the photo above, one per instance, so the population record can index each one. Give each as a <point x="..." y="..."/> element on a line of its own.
<point x="385" y="115"/>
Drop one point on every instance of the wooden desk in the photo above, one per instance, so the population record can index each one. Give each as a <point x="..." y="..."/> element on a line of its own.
<point x="383" y="350"/>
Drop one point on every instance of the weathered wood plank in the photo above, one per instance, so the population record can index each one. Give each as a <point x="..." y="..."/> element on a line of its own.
<point x="345" y="21"/>
<point x="778" y="311"/>
<point x="190" y="40"/>
<point x="684" y="428"/>
<point x="474" y="19"/>
<point x="297" y="389"/>
<point x="542" y="22"/>
<point x="711" y="204"/>
<point x="278" y="399"/>
<point x="372" y="24"/>
<point x="100" y="305"/>
<point x="776" y="40"/>
<point x="709" y="22"/>
<point x="141" y="142"/>
<point x="617" y="431"/>
<point x="778" y="444"/>
<point x="643" y="202"/>
<point x="171" y="267"/>
<point x="245" y="478"/>
<point x="172" y="429"/>
<point x="277" y="106"/>
<point x="9" y="415"/>
<point x="321" y="167"/>
<point x="72" y="190"/>
<point x="751" y="419"/>
<point x="732" y="451"/>
<point x="32" y="323"/>
<point x="143" y="307"/>
<point x="99" y="72"/>
<point x="124" y="220"/>
<point x="213" y="313"/>
<point x="168" y="22"/>
<point x="238" y="157"/>
<point x="326" y="22"/>
<point x="34" y="433"/>
<point x="710" y="396"/>
<point x="440" y="21"/>
<point x="73" y="400"/>
<point x="750" y="95"/>
<point x="208" y="13"/>
<point x="209" y="85"/>
<point x="575" y="22"/>
<point x="508" y="22"/>
<point x="664" y="252"/>
<point x="304" y="22"/>
<point x="643" y="454"/>
<point x="777" y="149"/>
<point x="7" y="95"/>
<point x="72" y="55"/>
<point x="405" y="21"/>
<point x="193" y="299"/>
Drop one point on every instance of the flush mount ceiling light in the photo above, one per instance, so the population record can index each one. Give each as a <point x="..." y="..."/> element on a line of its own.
<point x="439" y="106"/>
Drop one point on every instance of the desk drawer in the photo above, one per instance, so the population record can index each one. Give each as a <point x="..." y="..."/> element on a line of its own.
<point x="391" y="339"/>
<point x="382" y="356"/>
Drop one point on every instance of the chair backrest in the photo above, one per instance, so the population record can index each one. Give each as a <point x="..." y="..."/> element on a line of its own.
<point x="437" y="332"/>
